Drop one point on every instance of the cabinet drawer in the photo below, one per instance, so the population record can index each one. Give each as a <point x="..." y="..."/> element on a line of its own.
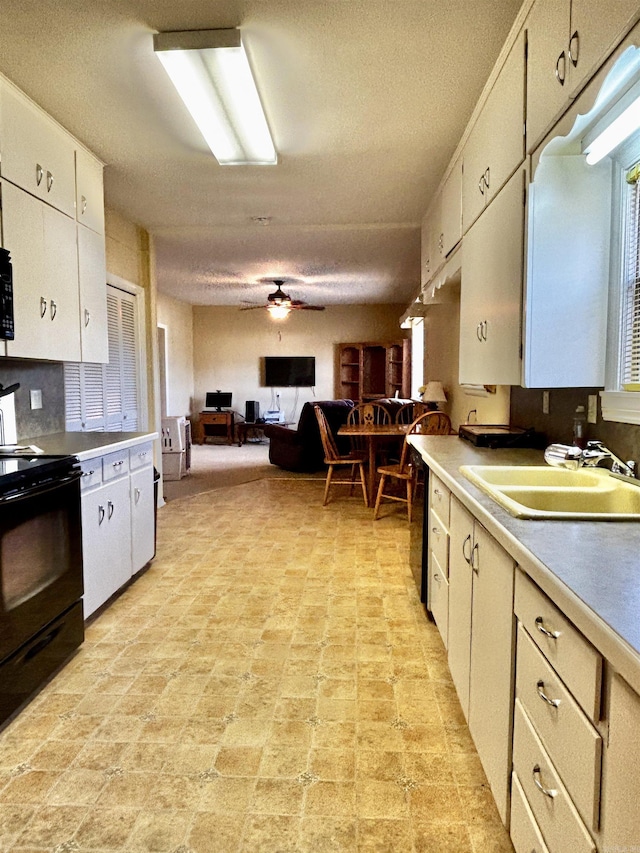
<point x="554" y="811"/>
<point x="439" y="598"/>
<point x="572" y="742"/>
<point x="525" y="832"/>
<point x="115" y="465"/>
<point x="91" y="474"/>
<point x="141" y="455"/>
<point x="439" y="498"/>
<point x="439" y="542"/>
<point x="569" y="652"/>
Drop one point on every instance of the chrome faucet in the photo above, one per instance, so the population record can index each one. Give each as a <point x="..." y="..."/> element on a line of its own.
<point x="572" y="457"/>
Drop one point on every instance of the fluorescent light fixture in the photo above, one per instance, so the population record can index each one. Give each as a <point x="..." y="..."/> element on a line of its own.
<point x="211" y="73"/>
<point x="619" y="122"/>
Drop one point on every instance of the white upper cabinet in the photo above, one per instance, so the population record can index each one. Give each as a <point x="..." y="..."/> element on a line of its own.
<point x="567" y="41"/>
<point x="491" y="291"/>
<point x="42" y="242"/>
<point x="450" y="212"/>
<point x="495" y="147"/>
<point x="93" y="296"/>
<point x="37" y="154"/>
<point x="89" y="191"/>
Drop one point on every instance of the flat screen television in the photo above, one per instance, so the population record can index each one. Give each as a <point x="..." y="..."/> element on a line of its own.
<point x="216" y="401"/>
<point x="289" y="371"/>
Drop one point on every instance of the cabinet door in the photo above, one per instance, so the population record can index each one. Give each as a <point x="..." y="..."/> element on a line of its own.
<point x="142" y="518"/>
<point x="451" y="209"/>
<point x="492" y="663"/>
<point x="42" y="243"/>
<point x="621" y="782"/>
<point x="106" y="542"/>
<point x="427" y="261"/>
<point x="491" y="294"/>
<point x="460" y="598"/>
<point x="93" y="295"/>
<point x="89" y="191"/>
<point x="495" y="147"/>
<point x="548" y="62"/>
<point x="596" y="26"/>
<point x="37" y="154"/>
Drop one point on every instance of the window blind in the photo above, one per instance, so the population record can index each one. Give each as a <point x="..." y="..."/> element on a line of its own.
<point x="631" y="286"/>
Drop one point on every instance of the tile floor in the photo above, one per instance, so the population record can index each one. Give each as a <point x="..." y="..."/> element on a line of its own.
<point x="271" y="684"/>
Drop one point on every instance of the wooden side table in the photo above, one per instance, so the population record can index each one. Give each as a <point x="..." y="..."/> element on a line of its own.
<point x="223" y="422"/>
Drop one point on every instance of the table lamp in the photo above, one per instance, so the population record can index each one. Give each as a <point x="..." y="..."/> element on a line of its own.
<point x="434" y="394"/>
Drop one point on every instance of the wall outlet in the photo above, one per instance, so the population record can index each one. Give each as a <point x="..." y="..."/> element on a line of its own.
<point x="592" y="409"/>
<point x="36" y="399"/>
<point x="545" y="402"/>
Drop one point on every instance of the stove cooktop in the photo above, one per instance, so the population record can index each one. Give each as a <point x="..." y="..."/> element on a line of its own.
<point x="18" y="470"/>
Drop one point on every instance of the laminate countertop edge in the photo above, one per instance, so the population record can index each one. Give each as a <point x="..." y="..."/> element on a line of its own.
<point x="88" y="445"/>
<point x="590" y="569"/>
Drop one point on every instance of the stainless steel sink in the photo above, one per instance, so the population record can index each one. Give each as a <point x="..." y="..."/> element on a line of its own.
<point x="538" y="491"/>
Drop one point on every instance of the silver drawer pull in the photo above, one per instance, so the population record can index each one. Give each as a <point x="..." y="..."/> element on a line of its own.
<point x="117" y="464"/>
<point x="88" y="473"/>
<point x="553" y="635"/>
<point x="553" y="702"/>
<point x="548" y="792"/>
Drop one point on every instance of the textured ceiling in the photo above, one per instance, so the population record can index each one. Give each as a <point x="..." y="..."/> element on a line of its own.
<point x="366" y="100"/>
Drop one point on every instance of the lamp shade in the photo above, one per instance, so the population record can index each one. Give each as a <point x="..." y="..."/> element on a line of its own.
<point x="434" y="393"/>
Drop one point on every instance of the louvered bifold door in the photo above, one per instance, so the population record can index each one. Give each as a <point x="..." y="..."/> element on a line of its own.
<point x="631" y="305"/>
<point x="129" y="362"/>
<point x="73" y="397"/>
<point x="113" y="391"/>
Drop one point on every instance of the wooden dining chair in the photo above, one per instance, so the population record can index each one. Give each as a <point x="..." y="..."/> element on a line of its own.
<point x="369" y="413"/>
<point x="333" y="458"/>
<point x="429" y="423"/>
<point x="408" y="412"/>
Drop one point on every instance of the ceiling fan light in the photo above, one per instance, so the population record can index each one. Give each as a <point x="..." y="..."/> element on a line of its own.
<point x="279" y="311"/>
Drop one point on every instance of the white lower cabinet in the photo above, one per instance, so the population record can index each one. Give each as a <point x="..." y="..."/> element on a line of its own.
<point x="481" y="643"/>
<point x="106" y="542"/>
<point x="438" y="556"/>
<point x="118" y="521"/>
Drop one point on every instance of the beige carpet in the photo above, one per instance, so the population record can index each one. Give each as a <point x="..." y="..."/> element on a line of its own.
<point x="216" y="466"/>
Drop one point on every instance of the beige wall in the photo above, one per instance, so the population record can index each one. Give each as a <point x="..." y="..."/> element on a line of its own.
<point x="229" y="343"/>
<point x="177" y="318"/>
<point x="442" y="344"/>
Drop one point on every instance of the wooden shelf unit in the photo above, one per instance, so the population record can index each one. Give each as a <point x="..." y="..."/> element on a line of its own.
<point x="370" y="370"/>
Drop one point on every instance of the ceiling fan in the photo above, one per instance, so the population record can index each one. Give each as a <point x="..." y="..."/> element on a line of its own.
<point x="279" y="303"/>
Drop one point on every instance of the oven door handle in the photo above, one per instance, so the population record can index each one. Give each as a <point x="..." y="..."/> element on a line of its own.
<point x="41" y="490"/>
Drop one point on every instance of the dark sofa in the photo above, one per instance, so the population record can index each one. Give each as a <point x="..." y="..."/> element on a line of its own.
<point x="301" y="449"/>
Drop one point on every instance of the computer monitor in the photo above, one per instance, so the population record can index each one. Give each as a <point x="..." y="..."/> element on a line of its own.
<point x="216" y="401"/>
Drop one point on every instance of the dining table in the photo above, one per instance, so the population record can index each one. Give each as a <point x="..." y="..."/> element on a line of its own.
<point x="373" y="434"/>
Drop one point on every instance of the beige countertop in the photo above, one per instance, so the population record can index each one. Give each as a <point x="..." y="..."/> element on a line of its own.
<point x="88" y="445"/>
<point x="591" y="569"/>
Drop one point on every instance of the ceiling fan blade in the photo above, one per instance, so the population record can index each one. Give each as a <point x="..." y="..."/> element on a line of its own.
<point x="311" y="307"/>
<point x="251" y="307"/>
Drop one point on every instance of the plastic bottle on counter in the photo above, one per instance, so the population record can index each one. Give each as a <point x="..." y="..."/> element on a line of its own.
<point x="579" y="427"/>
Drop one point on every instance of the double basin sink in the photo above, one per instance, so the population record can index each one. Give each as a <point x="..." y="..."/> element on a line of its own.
<point x="543" y="492"/>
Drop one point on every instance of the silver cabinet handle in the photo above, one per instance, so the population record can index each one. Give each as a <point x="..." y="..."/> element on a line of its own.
<point x="110" y="507"/>
<point x="574" y="48"/>
<point x="481" y="185"/>
<point x="464" y="553"/>
<point x="87" y="317"/>
<point x="117" y="464"/>
<point x="561" y="77"/>
<point x="483" y="330"/>
<point x="43" y="307"/>
<point x="473" y="562"/>
<point x="437" y="577"/>
<point x="548" y="792"/>
<point x="137" y="494"/>
<point x="540" y="688"/>
<point x="53" y="308"/>
<point x="39" y="174"/>
<point x="553" y="635"/>
<point x="88" y="473"/>
<point x="479" y="332"/>
<point x="49" y="181"/>
<point x="100" y="514"/>
<point x="486" y="177"/>
<point x="437" y="492"/>
<point x="83" y="205"/>
<point x="436" y="530"/>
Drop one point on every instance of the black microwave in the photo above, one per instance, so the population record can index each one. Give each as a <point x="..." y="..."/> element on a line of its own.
<point x="6" y="296"/>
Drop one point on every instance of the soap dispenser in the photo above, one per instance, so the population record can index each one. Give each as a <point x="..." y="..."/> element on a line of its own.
<point x="579" y="427"/>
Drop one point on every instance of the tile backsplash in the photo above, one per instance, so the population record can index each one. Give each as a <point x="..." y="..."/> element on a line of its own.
<point x="44" y="376"/>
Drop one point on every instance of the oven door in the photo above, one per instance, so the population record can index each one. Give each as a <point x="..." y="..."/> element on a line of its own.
<point x="40" y="558"/>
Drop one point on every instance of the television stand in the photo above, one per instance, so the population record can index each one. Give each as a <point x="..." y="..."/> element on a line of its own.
<point x="211" y="424"/>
